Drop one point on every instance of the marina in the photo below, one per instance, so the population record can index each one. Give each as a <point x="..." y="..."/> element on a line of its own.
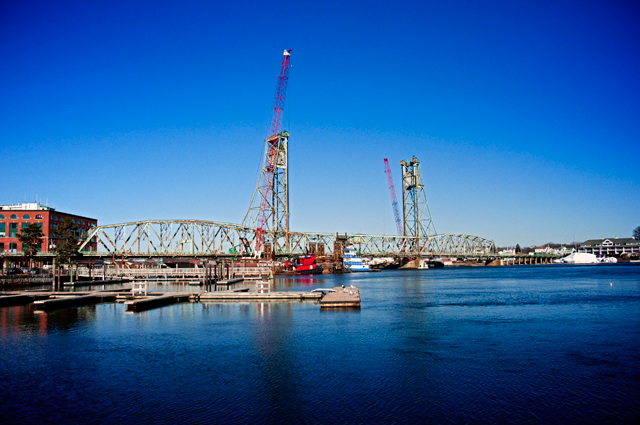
<point x="138" y="298"/>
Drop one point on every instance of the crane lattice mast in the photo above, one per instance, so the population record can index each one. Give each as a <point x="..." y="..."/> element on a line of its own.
<point x="394" y="200"/>
<point x="275" y="158"/>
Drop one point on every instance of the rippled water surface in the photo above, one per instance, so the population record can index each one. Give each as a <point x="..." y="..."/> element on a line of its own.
<point x="526" y="344"/>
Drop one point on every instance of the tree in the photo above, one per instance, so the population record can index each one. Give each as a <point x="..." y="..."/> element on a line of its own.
<point x="66" y="240"/>
<point x="636" y="233"/>
<point x="31" y="236"/>
<point x="518" y="249"/>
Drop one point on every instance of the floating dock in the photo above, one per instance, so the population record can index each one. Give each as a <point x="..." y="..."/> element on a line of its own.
<point x="67" y="301"/>
<point x="341" y="296"/>
<point x="150" y="302"/>
<point x="257" y="296"/>
<point x="96" y="282"/>
<point x="13" y="300"/>
<point x="50" y="300"/>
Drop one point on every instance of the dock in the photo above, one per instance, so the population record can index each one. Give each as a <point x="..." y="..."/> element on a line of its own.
<point x="258" y="296"/>
<point x="20" y="299"/>
<point x="67" y="301"/>
<point x="150" y="302"/>
<point x="139" y="300"/>
<point x="227" y="283"/>
<point x="341" y="296"/>
<point x="96" y="282"/>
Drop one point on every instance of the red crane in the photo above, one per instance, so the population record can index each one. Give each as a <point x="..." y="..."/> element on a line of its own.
<point x="273" y="143"/>
<point x="394" y="200"/>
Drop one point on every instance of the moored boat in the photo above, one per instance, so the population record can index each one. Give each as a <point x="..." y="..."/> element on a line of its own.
<point x="307" y="265"/>
<point x="352" y="262"/>
<point x="579" y="258"/>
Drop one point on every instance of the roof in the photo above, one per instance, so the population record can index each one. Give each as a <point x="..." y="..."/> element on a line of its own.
<point x="33" y="206"/>
<point x="614" y="241"/>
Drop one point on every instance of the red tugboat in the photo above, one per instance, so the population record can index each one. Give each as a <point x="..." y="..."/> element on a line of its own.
<point x="307" y="265"/>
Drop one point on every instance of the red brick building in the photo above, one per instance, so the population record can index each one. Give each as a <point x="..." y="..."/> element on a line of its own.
<point x="14" y="217"/>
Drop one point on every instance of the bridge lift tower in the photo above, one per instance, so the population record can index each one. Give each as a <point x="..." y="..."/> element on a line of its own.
<point x="418" y="226"/>
<point x="269" y="209"/>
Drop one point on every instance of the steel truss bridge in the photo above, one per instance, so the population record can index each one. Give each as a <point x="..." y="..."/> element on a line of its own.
<point x="265" y="228"/>
<point x="197" y="238"/>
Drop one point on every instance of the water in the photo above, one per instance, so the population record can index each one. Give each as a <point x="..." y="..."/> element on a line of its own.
<point x="525" y="344"/>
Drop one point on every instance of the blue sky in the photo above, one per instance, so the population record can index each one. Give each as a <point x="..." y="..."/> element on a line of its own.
<point x="524" y="115"/>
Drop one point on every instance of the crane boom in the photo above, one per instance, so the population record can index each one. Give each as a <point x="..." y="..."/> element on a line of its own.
<point x="394" y="200"/>
<point x="272" y="148"/>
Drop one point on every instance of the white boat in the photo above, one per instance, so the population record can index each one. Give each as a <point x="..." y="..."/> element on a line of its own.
<point x="579" y="258"/>
<point x="352" y="262"/>
<point x="603" y="259"/>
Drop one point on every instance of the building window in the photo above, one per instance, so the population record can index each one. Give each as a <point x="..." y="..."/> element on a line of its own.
<point x="1" y="216"/>
<point x="3" y="230"/>
<point x="55" y="226"/>
<point x="13" y="246"/>
<point x="26" y="217"/>
<point x="54" y="217"/>
<point x="13" y="230"/>
<point x="14" y="217"/>
<point x="1" y="246"/>
<point x="38" y="216"/>
<point x="73" y="221"/>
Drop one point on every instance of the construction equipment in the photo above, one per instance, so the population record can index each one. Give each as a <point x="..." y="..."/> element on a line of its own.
<point x="394" y="200"/>
<point x="273" y="205"/>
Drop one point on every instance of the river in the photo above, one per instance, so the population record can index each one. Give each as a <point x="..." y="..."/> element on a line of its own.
<point x="522" y="344"/>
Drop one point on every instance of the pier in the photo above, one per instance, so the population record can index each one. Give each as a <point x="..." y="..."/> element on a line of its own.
<point x="341" y="296"/>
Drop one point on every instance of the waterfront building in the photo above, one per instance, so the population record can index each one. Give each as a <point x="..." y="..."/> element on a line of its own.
<point x="610" y="246"/>
<point x="15" y="217"/>
<point x="543" y="249"/>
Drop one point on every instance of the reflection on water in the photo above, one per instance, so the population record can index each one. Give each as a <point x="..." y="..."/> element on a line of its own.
<point x="521" y="344"/>
<point x="300" y="283"/>
<point x="26" y="320"/>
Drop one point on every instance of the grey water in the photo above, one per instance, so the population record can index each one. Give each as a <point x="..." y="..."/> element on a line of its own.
<point x="523" y="344"/>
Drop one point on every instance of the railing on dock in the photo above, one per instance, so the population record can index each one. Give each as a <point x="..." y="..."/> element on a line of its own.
<point x="248" y="273"/>
<point x="18" y="280"/>
<point x="139" y="289"/>
<point x="263" y="286"/>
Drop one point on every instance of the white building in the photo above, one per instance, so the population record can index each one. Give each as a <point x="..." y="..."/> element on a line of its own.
<point x="610" y="246"/>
